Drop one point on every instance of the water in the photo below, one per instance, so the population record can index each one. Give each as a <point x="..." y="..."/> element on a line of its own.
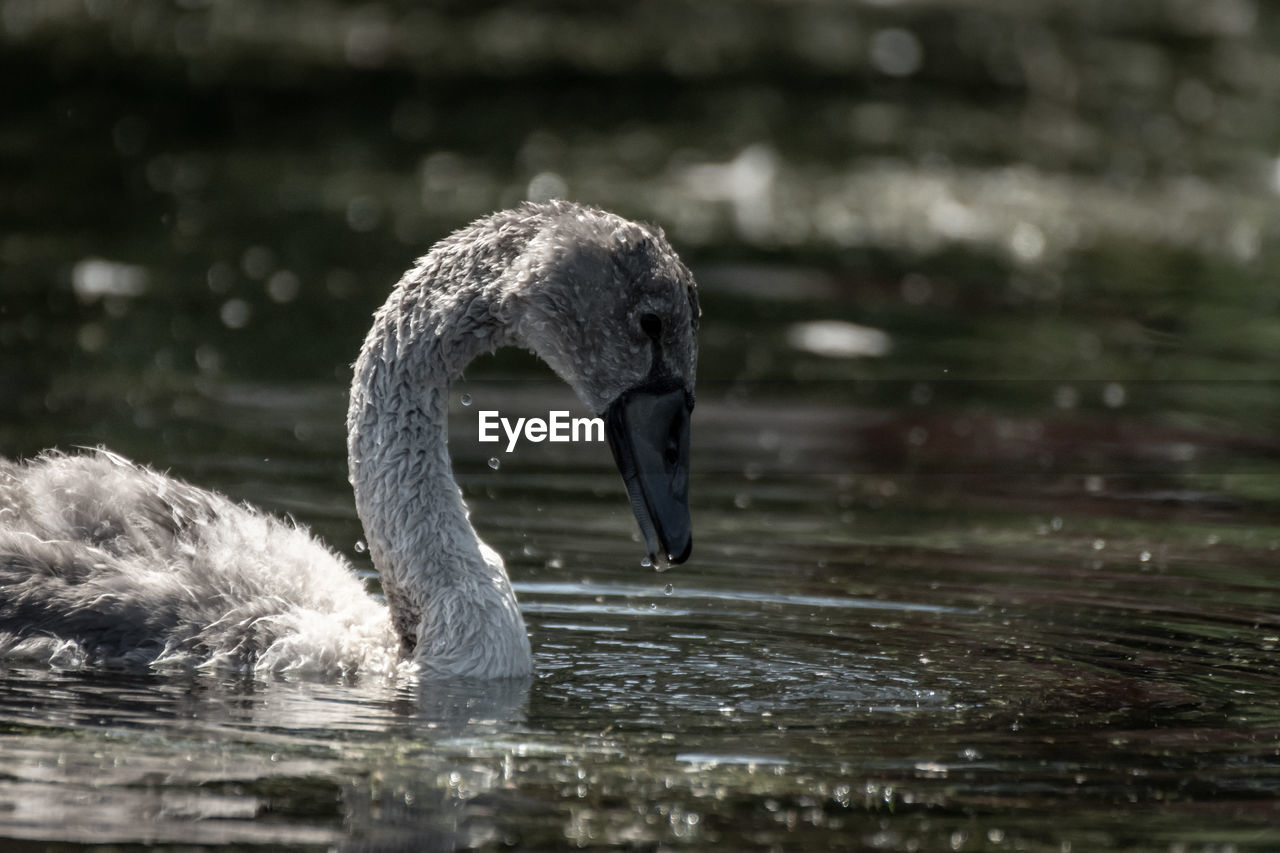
<point x="960" y="658"/>
<point x="986" y="482"/>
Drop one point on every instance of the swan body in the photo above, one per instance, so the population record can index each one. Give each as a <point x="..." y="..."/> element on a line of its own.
<point x="105" y="560"/>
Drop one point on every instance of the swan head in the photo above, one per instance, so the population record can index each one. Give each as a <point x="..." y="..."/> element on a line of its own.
<point x="608" y="304"/>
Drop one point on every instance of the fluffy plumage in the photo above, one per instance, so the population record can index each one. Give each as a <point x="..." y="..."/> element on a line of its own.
<point x="104" y="560"/>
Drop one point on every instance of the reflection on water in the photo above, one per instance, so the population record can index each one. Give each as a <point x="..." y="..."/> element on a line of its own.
<point x="723" y="716"/>
<point x="985" y="470"/>
<point x="891" y="659"/>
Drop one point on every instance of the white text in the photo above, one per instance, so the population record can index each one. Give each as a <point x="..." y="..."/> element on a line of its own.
<point x="557" y="427"/>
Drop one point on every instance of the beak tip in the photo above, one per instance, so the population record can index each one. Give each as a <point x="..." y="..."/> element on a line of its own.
<point x="648" y="431"/>
<point x="676" y="559"/>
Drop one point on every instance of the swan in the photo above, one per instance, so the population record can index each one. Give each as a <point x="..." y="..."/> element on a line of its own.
<point x="105" y="560"/>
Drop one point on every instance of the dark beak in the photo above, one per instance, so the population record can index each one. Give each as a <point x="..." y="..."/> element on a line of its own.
<point x="648" y="429"/>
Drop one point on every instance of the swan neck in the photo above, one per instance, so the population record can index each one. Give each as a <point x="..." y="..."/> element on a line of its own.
<point x="449" y="595"/>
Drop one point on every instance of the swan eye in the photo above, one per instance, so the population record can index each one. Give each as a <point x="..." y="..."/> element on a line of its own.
<point x="652" y="325"/>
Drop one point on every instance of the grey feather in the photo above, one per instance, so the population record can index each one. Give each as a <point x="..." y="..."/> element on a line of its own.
<point x="105" y="560"/>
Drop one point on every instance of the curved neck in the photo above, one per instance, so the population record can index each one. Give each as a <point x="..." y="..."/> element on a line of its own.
<point x="449" y="595"/>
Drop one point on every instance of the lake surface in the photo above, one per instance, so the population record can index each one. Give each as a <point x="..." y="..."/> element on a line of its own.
<point x="986" y="455"/>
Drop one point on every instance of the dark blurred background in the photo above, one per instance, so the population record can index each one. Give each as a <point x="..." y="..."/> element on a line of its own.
<point x="986" y="464"/>
<point x="1060" y="207"/>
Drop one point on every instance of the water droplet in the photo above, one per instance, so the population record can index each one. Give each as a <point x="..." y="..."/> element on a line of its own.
<point x="1145" y="556"/>
<point x="668" y="589"/>
<point x="646" y="562"/>
<point x="494" y="463"/>
<point x="653" y="605"/>
<point x="466" y="399"/>
<point x="361" y="547"/>
<point x="1099" y="544"/>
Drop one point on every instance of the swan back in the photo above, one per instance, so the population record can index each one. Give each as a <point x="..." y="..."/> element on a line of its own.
<point x="101" y="559"/>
